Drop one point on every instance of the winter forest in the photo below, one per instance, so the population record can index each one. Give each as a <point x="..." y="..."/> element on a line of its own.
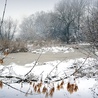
<point x="50" y="54"/>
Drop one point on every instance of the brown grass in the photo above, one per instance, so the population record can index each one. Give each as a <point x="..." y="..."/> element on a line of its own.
<point x="51" y="91"/>
<point x="1" y="61"/>
<point x="72" y="88"/>
<point x="1" y="84"/>
<point x="44" y="90"/>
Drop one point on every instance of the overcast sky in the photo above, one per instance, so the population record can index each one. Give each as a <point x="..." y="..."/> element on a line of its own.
<point x="18" y="9"/>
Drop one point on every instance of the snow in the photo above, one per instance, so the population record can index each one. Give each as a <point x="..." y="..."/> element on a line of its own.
<point x="83" y="92"/>
<point x="64" y="67"/>
<point x="53" y="49"/>
<point x="84" y="44"/>
<point x="86" y="84"/>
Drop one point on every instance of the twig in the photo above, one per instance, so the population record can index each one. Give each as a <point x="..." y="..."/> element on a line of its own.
<point x="14" y="88"/>
<point x="34" y="65"/>
<point x="18" y="89"/>
<point x="28" y="91"/>
<point x="80" y="66"/>
<point x="52" y="70"/>
<point x="72" y="73"/>
<point x="10" y="77"/>
<point x="45" y="81"/>
<point x="55" y="66"/>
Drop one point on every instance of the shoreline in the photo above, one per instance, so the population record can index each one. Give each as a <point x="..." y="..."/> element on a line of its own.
<point x="23" y="58"/>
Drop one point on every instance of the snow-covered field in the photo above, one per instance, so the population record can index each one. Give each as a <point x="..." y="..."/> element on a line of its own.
<point x="82" y="72"/>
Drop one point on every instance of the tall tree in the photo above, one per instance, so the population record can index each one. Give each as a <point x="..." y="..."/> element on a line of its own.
<point x="9" y="29"/>
<point x="91" y="25"/>
<point x="27" y="28"/>
<point x="68" y="12"/>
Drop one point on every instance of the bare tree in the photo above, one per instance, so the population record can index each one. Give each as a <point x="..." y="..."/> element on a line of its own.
<point x="91" y="26"/>
<point x="63" y="24"/>
<point x="42" y="24"/>
<point x="35" y="27"/>
<point x="27" y="28"/>
<point x="8" y="30"/>
<point x="68" y="13"/>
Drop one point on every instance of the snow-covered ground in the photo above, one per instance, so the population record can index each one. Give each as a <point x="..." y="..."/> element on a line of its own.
<point x="86" y="78"/>
<point x="64" y="68"/>
<point x="52" y="49"/>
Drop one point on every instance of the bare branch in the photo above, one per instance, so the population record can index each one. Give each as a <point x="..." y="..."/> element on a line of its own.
<point x="34" y="65"/>
<point x="3" y="18"/>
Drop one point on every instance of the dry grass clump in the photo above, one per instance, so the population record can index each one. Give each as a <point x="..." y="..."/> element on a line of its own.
<point x="1" y="84"/>
<point x="1" y="61"/>
<point x="14" y="46"/>
<point x="72" y="88"/>
<point x="60" y="86"/>
<point x="44" y="90"/>
<point x="51" y="91"/>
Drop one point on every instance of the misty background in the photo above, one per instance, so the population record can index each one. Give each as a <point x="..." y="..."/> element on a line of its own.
<point x="18" y="9"/>
<point x="48" y="22"/>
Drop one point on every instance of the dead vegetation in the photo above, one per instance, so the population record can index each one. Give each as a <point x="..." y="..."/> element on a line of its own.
<point x="1" y="84"/>
<point x="71" y="88"/>
<point x="4" y="54"/>
<point x="1" y="61"/>
<point x="13" y="46"/>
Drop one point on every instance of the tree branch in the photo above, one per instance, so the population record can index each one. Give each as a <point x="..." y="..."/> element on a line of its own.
<point x="34" y="65"/>
<point x="3" y="18"/>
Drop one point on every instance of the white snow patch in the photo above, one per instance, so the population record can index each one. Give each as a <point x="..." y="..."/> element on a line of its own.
<point x="54" y="49"/>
